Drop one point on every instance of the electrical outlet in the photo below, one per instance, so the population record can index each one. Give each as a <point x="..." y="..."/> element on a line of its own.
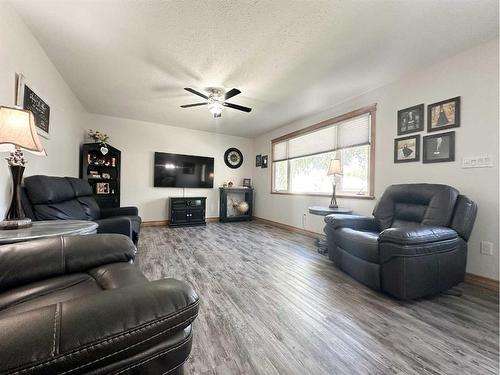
<point x="486" y="248"/>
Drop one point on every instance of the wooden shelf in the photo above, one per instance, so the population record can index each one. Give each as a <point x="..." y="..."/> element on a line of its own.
<point x="88" y="154"/>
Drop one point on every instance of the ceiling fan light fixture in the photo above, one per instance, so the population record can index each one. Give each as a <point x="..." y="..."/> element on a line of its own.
<point x="216" y="99"/>
<point x="216" y="109"/>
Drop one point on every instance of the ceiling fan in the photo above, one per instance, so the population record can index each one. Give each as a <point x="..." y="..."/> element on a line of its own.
<point x="216" y="100"/>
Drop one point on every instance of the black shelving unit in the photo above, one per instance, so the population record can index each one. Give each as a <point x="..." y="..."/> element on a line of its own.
<point x="226" y="214"/>
<point x="187" y="211"/>
<point x="102" y="171"/>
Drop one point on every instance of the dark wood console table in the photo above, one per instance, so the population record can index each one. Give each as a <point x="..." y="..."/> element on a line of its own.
<point x="187" y="211"/>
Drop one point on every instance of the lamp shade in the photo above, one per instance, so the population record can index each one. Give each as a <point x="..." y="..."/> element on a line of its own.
<point x="335" y="167"/>
<point x="18" y="130"/>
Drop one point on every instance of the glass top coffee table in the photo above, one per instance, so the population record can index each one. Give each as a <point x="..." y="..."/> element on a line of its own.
<point x="49" y="228"/>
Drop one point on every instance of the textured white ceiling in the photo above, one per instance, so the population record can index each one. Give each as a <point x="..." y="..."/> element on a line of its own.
<point x="132" y="58"/>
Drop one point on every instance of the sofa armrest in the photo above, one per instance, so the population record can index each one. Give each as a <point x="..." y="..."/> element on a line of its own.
<point x="96" y="331"/>
<point x="413" y="235"/>
<point x="118" y="225"/>
<point x="119" y="211"/>
<point x="352" y="221"/>
<point x="26" y="262"/>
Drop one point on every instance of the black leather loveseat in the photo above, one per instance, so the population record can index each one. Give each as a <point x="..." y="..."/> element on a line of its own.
<point x="76" y="305"/>
<point x="414" y="245"/>
<point x="69" y="198"/>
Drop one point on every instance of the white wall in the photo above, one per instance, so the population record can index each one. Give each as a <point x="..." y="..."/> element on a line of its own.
<point x="473" y="75"/>
<point x="139" y="140"/>
<point x="20" y="52"/>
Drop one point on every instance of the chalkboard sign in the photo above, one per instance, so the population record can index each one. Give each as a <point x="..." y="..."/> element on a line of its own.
<point x="41" y="111"/>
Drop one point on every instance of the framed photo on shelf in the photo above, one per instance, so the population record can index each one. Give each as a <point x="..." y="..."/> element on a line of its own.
<point x="102" y="188"/>
<point x="411" y="120"/>
<point x="439" y="147"/>
<point x="28" y="99"/>
<point x="247" y="182"/>
<point x="407" y="149"/>
<point x="443" y="115"/>
<point x="258" y="160"/>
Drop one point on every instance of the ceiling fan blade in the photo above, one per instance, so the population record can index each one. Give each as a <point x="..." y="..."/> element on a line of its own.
<point x="192" y="105"/>
<point x="193" y="91"/>
<point x="238" y="107"/>
<point x="231" y="93"/>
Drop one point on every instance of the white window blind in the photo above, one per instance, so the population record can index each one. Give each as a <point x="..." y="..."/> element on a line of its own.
<point x="349" y="133"/>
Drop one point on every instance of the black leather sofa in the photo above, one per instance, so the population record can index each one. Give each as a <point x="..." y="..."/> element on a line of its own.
<point x="69" y="198"/>
<point x="414" y="245"/>
<point x="76" y="305"/>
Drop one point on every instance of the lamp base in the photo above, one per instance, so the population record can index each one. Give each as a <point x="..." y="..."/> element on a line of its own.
<point x="333" y="206"/>
<point x="15" y="224"/>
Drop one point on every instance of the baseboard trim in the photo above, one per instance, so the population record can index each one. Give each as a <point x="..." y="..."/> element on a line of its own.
<point x="164" y="223"/>
<point x="155" y="223"/>
<point x="291" y="228"/>
<point x="482" y="281"/>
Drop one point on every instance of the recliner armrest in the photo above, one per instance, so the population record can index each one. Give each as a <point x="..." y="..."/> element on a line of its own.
<point x="416" y="235"/>
<point x="119" y="211"/>
<point x="352" y="221"/>
<point x="119" y="225"/>
<point x="25" y="262"/>
<point x="99" y="330"/>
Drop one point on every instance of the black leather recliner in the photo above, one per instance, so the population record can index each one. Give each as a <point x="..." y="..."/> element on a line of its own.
<point x="76" y="305"/>
<point x="414" y="245"/>
<point x="69" y="198"/>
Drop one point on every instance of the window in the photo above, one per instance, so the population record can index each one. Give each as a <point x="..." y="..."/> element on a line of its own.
<point x="300" y="160"/>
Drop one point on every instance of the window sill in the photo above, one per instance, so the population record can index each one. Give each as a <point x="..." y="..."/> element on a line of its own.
<point x="343" y="196"/>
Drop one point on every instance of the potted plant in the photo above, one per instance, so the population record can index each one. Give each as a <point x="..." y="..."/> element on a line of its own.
<point x="101" y="138"/>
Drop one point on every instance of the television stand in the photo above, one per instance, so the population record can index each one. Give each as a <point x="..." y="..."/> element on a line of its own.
<point x="187" y="211"/>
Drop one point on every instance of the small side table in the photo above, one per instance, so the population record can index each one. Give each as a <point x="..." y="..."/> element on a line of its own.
<point x="48" y="228"/>
<point x="324" y="211"/>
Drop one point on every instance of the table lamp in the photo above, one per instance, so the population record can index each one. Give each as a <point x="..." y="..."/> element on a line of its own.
<point x="335" y="169"/>
<point x="17" y="133"/>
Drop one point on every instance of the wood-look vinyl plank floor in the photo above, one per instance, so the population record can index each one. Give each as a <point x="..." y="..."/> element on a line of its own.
<point x="270" y="304"/>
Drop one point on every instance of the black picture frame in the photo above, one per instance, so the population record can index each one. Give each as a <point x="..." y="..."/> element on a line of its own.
<point x="411" y="119"/>
<point x="247" y="182"/>
<point x="435" y="151"/>
<point x="435" y="116"/>
<point x="264" y="161"/>
<point x="258" y="160"/>
<point x="407" y="154"/>
<point x="28" y="99"/>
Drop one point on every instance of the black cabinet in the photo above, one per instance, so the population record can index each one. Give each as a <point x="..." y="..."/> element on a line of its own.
<point x="236" y="204"/>
<point x="102" y="171"/>
<point x="187" y="211"/>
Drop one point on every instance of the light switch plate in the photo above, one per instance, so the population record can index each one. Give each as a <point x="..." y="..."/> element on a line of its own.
<point x="480" y="161"/>
<point x="486" y="248"/>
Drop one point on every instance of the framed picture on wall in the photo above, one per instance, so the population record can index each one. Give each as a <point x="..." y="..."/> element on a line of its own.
<point x="407" y="149"/>
<point x="258" y="160"/>
<point x="443" y="115"/>
<point x="264" y="161"/>
<point x="411" y="120"/>
<point x="439" y="147"/>
<point x="27" y="98"/>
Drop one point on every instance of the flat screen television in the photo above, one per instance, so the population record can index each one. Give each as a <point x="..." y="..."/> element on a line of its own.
<point x="186" y="171"/>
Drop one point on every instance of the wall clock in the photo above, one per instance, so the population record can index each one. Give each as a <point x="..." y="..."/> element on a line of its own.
<point x="233" y="158"/>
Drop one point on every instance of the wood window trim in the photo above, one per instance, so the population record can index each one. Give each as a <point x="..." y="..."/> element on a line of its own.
<point x="372" y="110"/>
<point x="346" y="196"/>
